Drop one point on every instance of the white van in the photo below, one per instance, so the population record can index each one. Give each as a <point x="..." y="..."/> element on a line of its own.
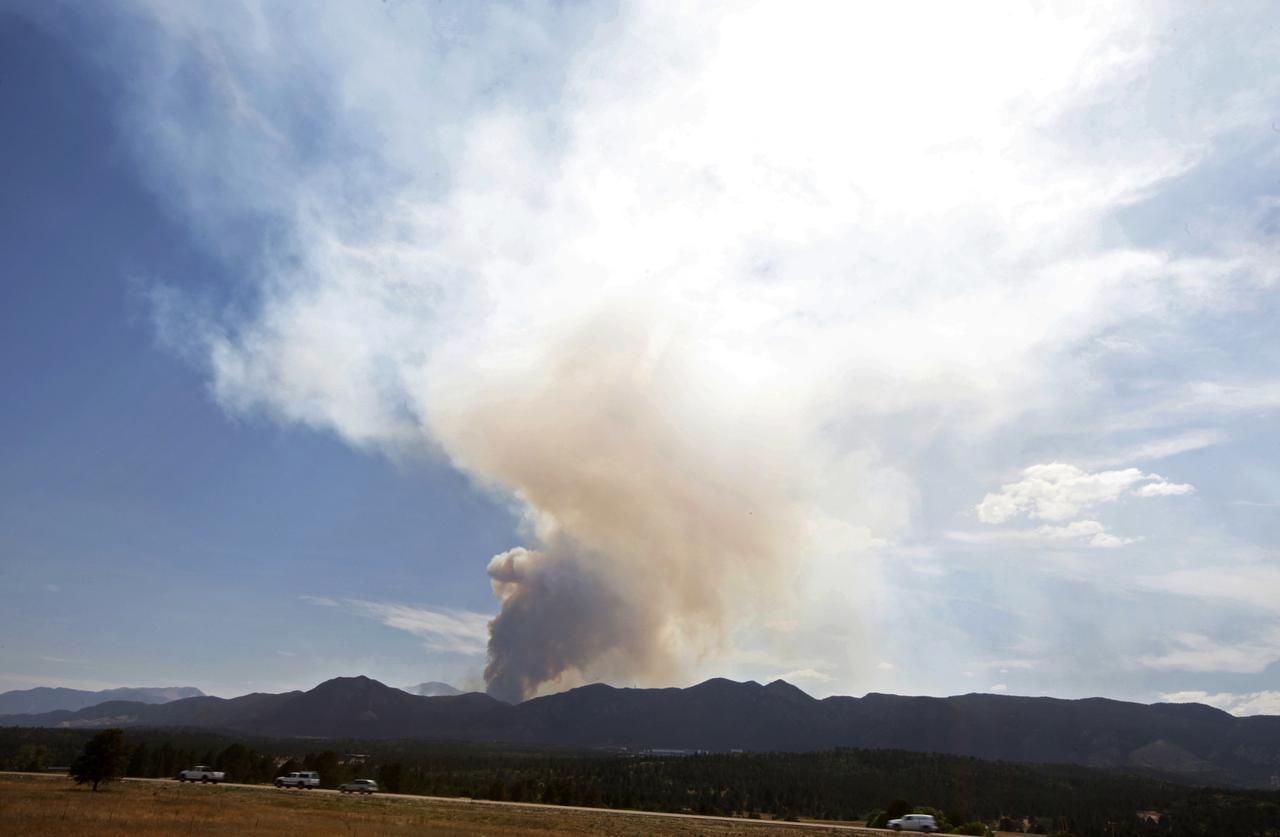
<point x="299" y="779"/>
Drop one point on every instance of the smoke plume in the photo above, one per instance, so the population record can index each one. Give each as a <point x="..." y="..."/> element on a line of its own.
<point x="702" y="294"/>
<point x="656" y="512"/>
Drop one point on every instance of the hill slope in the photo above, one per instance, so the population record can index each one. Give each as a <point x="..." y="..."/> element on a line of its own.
<point x="1187" y="742"/>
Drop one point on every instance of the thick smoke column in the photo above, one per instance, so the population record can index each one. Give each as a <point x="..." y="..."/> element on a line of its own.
<point x="656" y="515"/>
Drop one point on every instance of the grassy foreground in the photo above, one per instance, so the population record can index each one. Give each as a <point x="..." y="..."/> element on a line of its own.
<point x="42" y="805"/>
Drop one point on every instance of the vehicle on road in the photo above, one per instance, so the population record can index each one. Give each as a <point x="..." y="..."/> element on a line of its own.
<point x="201" y="773"/>
<point x="359" y="786"/>
<point x="303" y="779"/>
<point x="915" y="822"/>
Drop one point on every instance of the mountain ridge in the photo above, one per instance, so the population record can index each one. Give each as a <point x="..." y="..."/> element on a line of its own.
<point x="55" y="698"/>
<point x="1184" y="742"/>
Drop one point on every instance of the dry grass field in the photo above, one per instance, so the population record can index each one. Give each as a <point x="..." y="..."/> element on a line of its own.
<point x="50" y="805"/>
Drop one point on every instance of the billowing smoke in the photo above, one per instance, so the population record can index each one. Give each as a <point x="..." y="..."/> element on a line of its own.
<point x="707" y="293"/>
<point x="657" y="512"/>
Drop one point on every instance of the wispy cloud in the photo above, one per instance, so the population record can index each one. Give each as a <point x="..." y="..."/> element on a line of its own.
<point x="1253" y="584"/>
<point x="440" y="629"/>
<point x="1168" y="446"/>
<point x="1087" y="532"/>
<point x="1197" y="652"/>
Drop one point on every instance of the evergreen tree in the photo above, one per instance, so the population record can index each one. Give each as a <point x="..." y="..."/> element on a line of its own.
<point x="103" y="759"/>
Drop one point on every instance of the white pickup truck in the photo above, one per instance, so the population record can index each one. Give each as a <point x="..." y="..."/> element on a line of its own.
<point x="303" y="779"/>
<point x="201" y="773"/>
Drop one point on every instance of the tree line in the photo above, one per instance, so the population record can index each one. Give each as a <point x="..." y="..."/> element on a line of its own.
<point x="965" y="794"/>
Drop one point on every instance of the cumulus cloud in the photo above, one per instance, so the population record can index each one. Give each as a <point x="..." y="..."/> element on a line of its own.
<point x="1057" y="491"/>
<point x="696" y="289"/>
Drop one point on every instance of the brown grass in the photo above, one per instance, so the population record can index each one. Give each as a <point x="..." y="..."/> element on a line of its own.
<point x="43" y="805"/>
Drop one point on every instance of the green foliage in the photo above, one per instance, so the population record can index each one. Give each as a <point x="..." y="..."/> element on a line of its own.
<point x="389" y="779"/>
<point x="332" y="771"/>
<point x="898" y="808"/>
<point x="31" y="758"/>
<point x="976" y="829"/>
<point x="103" y="760"/>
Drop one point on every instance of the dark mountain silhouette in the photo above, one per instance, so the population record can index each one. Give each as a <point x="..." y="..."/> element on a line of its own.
<point x="46" y="699"/>
<point x="1186" y="742"/>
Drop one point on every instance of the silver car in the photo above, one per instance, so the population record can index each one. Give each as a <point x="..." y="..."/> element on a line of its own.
<point x="915" y="822"/>
<point x="359" y="786"/>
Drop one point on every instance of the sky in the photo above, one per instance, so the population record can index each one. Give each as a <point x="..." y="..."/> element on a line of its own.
<point x="926" y="349"/>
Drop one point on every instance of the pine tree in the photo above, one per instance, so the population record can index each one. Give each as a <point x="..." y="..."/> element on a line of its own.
<point x="103" y="759"/>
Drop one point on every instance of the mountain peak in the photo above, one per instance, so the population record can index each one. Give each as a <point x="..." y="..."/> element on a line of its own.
<point x="433" y="688"/>
<point x="358" y="683"/>
<point x="782" y="688"/>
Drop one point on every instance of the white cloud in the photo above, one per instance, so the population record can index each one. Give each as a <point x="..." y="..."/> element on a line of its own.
<point x="1166" y="447"/>
<point x="1057" y="491"/>
<point x="441" y="629"/>
<point x="1164" y="489"/>
<point x="1237" y="703"/>
<point x="1197" y="652"/>
<point x="998" y="687"/>
<point x="1097" y="534"/>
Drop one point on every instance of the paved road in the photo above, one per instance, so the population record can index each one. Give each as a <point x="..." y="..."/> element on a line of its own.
<point x="453" y="800"/>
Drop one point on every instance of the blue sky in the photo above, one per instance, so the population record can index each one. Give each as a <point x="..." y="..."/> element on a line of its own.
<point x="917" y="357"/>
